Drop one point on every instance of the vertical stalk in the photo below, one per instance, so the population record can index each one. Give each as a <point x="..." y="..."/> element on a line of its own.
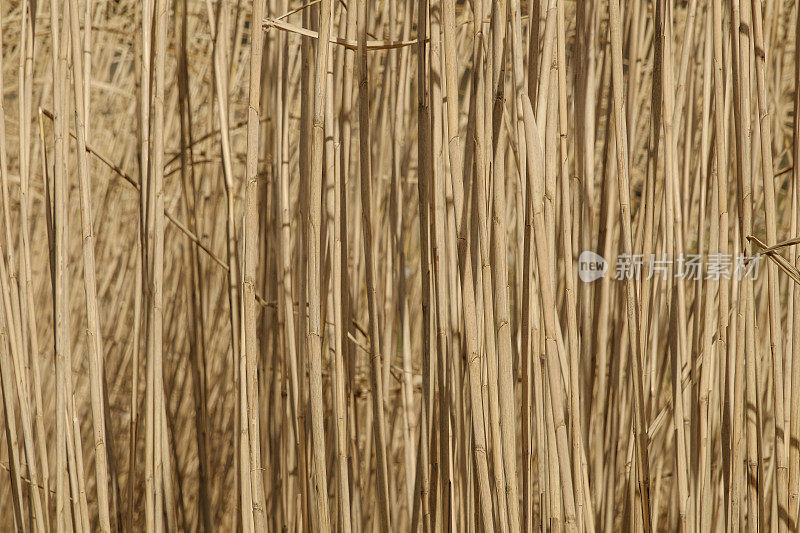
<point x="632" y="308"/>
<point x="376" y="363"/>
<point x="776" y="344"/>
<point x="250" y="229"/>
<point x="94" y="336"/>
<point x="314" y="235"/>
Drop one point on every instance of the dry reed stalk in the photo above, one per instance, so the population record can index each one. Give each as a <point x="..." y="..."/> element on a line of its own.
<point x="709" y="366"/>
<point x="61" y="305"/>
<point x="220" y="31"/>
<point x="11" y="435"/>
<point x="502" y="313"/>
<point x="194" y="284"/>
<point x="17" y="346"/>
<point x="422" y="505"/>
<point x="25" y="79"/>
<point x="156" y="278"/>
<point x="794" y="408"/>
<point x="284" y="273"/>
<point x="301" y="256"/>
<point x="399" y="168"/>
<point x="530" y="356"/>
<point x="482" y="154"/>
<point x="674" y="243"/>
<point x="556" y="387"/>
<point x="721" y="187"/>
<point x="441" y="462"/>
<point x="314" y="235"/>
<point x="80" y="506"/>
<point x="250" y="229"/>
<point x="776" y="343"/>
<point x="745" y="340"/>
<point x="367" y="224"/>
<point x="640" y="421"/>
<point x="576" y="425"/>
<point x="145" y="228"/>
<point x="347" y="316"/>
<point x="94" y="338"/>
<point x="339" y="398"/>
<point x="6" y="363"/>
<point x="471" y="345"/>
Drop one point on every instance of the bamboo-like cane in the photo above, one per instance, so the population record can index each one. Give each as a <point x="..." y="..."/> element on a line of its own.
<point x="314" y="235"/>
<point x="339" y="398"/>
<point x="61" y="304"/>
<point x="250" y="228"/>
<point x="379" y="424"/>
<point x="94" y="337"/>
<point x="16" y="345"/>
<point x="632" y="309"/>
<point x="468" y="294"/>
<point x="422" y="505"/>
<point x="576" y="423"/>
<point x="156" y="279"/>
<point x="26" y="275"/>
<point x="776" y="343"/>
<point x="674" y="244"/>
<point x="794" y="407"/>
<point x="535" y="201"/>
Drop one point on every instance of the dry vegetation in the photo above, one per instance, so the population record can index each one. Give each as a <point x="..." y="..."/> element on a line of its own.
<point x="327" y="278"/>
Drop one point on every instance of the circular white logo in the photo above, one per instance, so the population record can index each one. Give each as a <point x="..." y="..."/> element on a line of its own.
<point x="591" y="266"/>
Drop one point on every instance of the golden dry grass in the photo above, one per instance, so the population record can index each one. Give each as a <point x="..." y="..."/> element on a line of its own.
<point x="328" y="279"/>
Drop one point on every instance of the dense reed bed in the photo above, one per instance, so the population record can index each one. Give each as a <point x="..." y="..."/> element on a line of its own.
<point x="399" y="265"/>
